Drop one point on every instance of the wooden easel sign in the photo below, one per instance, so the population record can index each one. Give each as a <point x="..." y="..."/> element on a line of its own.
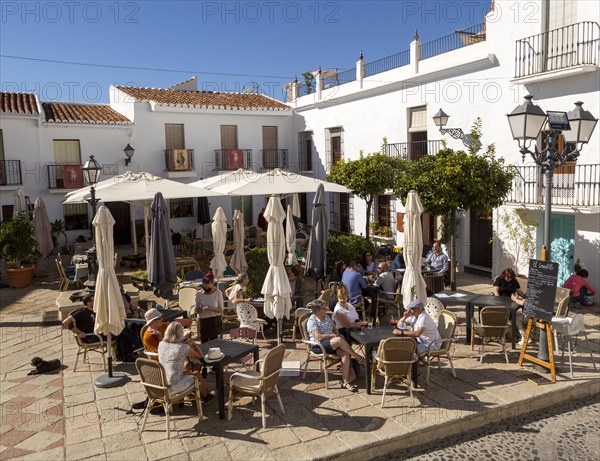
<point x="539" y="306"/>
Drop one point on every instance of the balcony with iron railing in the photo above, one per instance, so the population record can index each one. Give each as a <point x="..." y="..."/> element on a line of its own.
<point x="179" y="159"/>
<point x="274" y="158"/>
<point x="563" y="48"/>
<point x="233" y="159"/>
<point x="10" y="173"/>
<point x="572" y="185"/>
<point x="412" y="150"/>
<point x="64" y="176"/>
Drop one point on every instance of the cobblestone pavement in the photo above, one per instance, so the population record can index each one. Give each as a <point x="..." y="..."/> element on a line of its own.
<point x="570" y="431"/>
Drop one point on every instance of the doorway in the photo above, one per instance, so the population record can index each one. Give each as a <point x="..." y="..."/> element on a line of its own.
<point x="563" y="245"/>
<point x="480" y="247"/>
<point x="244" y="204"/>
<point x="122" y="216"/>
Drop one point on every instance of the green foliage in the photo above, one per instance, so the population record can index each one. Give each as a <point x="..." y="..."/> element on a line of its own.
<point x="378" y="229"/>
<point x="346" y="248"/>
<point x="58" y="228"/>
<point x="518" y="239"/>
<point x="141" y="275"/>
<point x="258" y="266"/>
<point x="367" y="177"/>
<point x="17" y="242"/>
<point x="309" y="81"/>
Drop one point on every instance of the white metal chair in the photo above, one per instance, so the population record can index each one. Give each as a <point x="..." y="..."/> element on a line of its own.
<point x="325" y="360"/>
<point x="393" y="360"/>
<point x="248" y="318"/>
<point x="262" y="382"/>
<point x="154" y="380"/>
<point x="187" y="298"/>
<point x="570" y="327"/>
<point x="446" y="327"/>
<point x="434" y="308"/>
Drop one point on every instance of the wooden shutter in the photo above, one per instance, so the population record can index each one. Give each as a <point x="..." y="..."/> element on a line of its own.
<point x="270" y="147"/>
<point x="229" y="137"/>
<point x="66" y="151"/>
<point x="174" y="137"/>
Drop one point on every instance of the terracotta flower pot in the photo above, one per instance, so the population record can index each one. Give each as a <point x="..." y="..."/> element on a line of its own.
<point x="20" y="278"/>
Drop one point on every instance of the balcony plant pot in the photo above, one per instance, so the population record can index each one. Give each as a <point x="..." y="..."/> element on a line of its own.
<point x="21" y="277"/>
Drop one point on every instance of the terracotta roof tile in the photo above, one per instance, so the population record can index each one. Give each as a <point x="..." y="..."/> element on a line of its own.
<point x="60" y="112"/>
<point x="20" y="103"/>
<point x="206" y="99"/>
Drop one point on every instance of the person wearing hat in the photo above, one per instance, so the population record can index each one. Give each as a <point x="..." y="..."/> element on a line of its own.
<point x="423" y="327"/>
<point x="155" y="330"/>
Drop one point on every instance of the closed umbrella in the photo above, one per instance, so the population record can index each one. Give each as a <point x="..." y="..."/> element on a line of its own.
<point x="276" y="287"/>
<point x="108" y="301"/>
<point x="413" y="285"/>
<point x="42" y="228"/>
<point x="290" y="237"/>
<point x="238" y="260"/>
<point x="219" y="231"/>
<point x="161" y="265"/>
<point x="316" y="256"/>
<point x="20" y="202"/>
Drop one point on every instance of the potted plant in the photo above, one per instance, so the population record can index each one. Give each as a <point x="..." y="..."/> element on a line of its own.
<point x="17" y="244"/>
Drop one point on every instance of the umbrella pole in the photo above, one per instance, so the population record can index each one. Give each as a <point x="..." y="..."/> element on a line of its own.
<point x="279" y="322"/>
<point x="133" y="229"/>
<point x="111" y="379"/>
<point x="147" y="237"/>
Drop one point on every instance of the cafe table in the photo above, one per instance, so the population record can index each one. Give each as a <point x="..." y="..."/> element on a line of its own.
<point x="232" y="351"/>
<point x="370" y="338"/>
<point x="458" y="298"/>
<point x="491" y="300"/>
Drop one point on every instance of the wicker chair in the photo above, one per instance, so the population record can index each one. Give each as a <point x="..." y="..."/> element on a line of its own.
<point x="446" y="327"/>
<point x="325" y="360"/>
<point x="393" y="360"/>
<point x="493" y="328"/>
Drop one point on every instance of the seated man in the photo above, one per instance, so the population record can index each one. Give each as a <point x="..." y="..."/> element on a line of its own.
<point x="423" y="327"/>
<point x="386" y="283"/>
<point x="358" y="287"/>
<point x="437" y="261"/>
<point x="82" y="321"/>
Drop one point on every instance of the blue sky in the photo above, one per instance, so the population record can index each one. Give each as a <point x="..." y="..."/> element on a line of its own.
<point x="227" y="45"/>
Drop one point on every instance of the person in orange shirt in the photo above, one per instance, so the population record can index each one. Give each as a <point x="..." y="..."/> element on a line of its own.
<point x="155" y="330"/>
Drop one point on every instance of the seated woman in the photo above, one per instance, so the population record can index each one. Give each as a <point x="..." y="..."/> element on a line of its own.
<point x="338" y="269"/>
<point x="320" y="328"/>
<point x="173" y="353"/>
<point x="368" y="265"/>
<point x="297" y="286"/>
<point x="236" y="292"/>
<point x="580" y="287"/>
<point x="209" y="308"/>
<point x="506" y="284"/>
<point x="345" y="316"/>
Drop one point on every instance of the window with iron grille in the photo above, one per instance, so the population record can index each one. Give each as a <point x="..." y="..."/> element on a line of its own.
<point x="384" y="211"/>
<point x="340" y="215"/>
<point x="76" y="216"/>
<point x="181" y="207"/>
<point x="334" y="145"/>
<point x="305" y="150"/>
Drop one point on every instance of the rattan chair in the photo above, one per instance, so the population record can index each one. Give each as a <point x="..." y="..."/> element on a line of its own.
<point x="393" y="360"/>
<point x="99" y="346"/>
<point x="493" y="328"/>
<point x="298" y="313"/>
<point x="325" y="360"/>
<point x="395" y="302"/>
<point x="446" y="327"/>
<point x="154" y="380"/>
<point x="261" y="383"/>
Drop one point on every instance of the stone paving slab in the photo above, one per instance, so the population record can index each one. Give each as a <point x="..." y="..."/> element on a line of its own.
<point x="63" y="416"/>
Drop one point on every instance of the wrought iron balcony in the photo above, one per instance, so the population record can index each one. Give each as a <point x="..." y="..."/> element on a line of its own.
<point x="10" y="173"/>
<point x="233" y="159"/>
<point x="274" y="158"/>
<point x="568" y="46"/>
<point x="179" y="159"/>
<point x="572" y="185"/>
<point x="64" y="176"/>
<point x="412" y="150"/>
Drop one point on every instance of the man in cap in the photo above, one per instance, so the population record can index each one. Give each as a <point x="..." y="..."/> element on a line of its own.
<point x="423" y="327"/>
<point x="155" y="330"/>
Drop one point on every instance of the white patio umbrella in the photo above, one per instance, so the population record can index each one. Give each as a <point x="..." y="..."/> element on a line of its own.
<point x="279" y="181"/>
<point x="276" y="287"/>
<point x="219" y="231"/>
<point x="413" y="284"/>
<point x="226" y="177"/>
<point x="42" y="228"/>
<point x="238" y="259"/>
<point x="290" y="237"/>
<point x="20" y="202"/>
<point x="138" y="188"/>
<point x="108" y="301"/>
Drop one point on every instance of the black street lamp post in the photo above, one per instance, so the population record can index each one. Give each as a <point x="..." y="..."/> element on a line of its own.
<point x="91" y="172"/>
<point x="526" y="122"/>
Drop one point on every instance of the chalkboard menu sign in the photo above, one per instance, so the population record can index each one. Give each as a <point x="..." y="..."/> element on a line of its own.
<point x="541" y="289"/>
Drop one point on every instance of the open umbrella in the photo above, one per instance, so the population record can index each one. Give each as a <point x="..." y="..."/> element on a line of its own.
<point x="108" y="301"/>
<point x="413" y="285"/>
<point x="219" y="231"/>
<point x="276" y="287"/>
<point x="238" y="260"/>
<point x="161" y="265"/>
<point x="290" y="237"/>
<point x="316" y="256"/>
<point x="20" y="202"/>
<point x="42" y="228"/>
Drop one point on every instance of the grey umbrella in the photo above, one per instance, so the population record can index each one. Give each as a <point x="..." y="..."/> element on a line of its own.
<point x="42" y="228"/>
<point x="316" y="257"/>
<point x="161" y="266"/>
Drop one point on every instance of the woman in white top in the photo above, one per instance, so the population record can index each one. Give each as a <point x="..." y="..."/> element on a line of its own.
<point x="236" y="293"/>
<point x="345" y="316"/>
<point x="209" y="308"/>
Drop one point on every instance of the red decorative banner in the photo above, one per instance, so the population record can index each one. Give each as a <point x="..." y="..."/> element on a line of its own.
<point x="235" y="159"/>
<point x="72" y="176"/>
